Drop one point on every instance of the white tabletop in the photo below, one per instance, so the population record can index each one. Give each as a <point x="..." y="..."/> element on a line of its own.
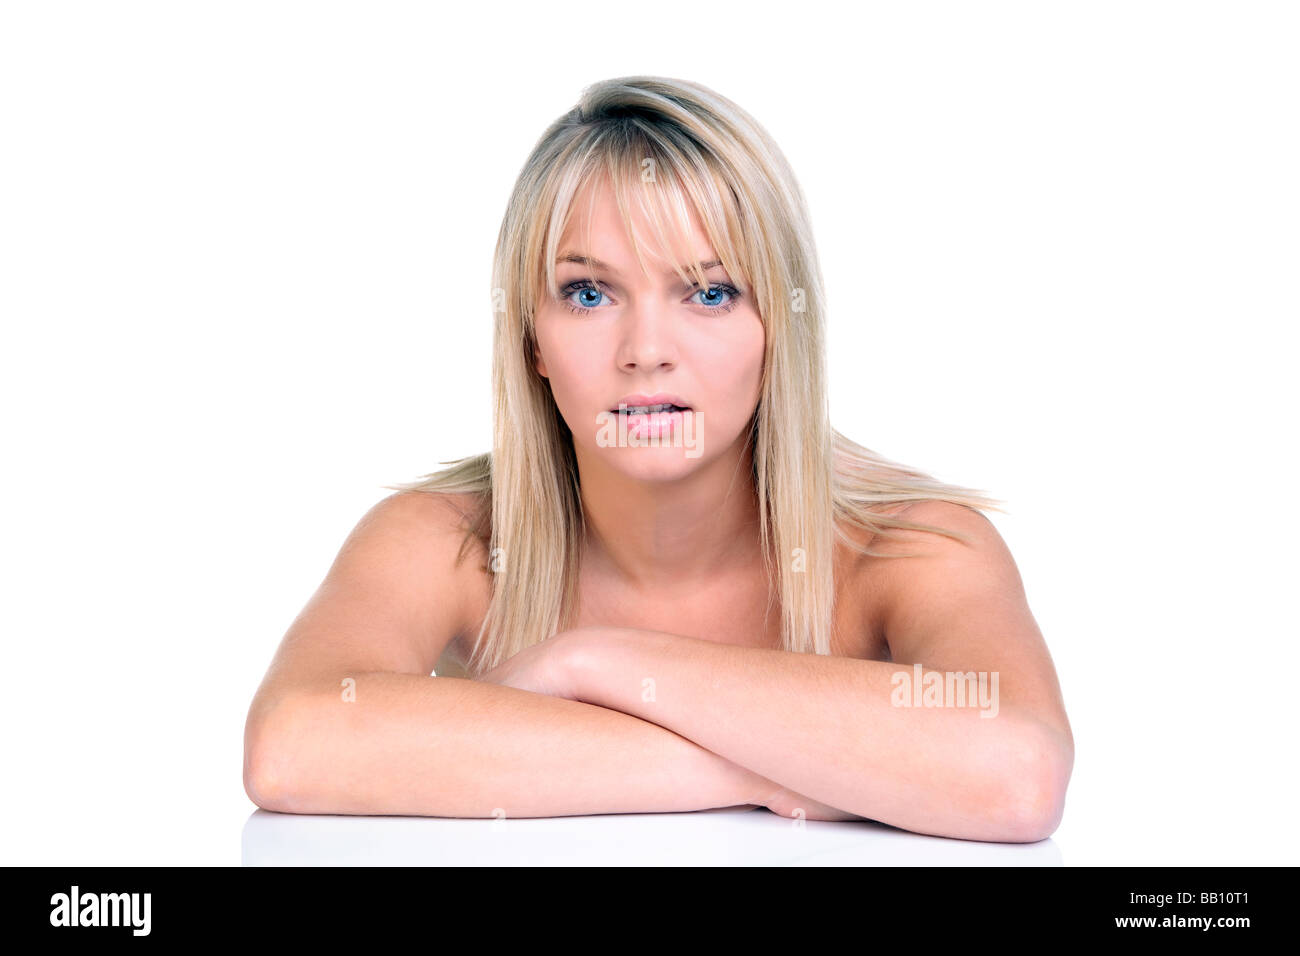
<point x="724" y="837"/>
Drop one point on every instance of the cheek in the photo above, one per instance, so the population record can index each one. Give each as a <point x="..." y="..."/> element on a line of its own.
<point x="566" y="365"/>
<point x="553" y="353"/>
<point x="754" y="361"/>
<point x="740" y="363"/>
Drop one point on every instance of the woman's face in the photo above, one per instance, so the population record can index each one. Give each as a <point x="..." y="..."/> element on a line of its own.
<point x="608" y="332"/>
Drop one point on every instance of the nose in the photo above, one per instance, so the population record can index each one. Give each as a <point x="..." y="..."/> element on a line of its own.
<point x="646" y="337"/>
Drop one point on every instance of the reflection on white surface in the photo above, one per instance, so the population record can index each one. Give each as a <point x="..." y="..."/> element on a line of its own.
<point x="725" y="837"/>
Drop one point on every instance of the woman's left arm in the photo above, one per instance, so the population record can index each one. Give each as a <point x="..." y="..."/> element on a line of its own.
<point x="962" y="734"/>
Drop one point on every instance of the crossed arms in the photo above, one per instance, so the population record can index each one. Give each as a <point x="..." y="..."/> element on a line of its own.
<point x="608" y="720"/>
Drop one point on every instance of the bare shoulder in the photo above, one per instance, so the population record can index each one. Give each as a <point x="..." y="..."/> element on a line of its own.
<point x="907" y="571"/>
<point x="418" y="530"/>
<point x="891" y="542"/>
<point x="430" y="534"/>
<point x="865" y="578"/>
<point x="964" y="521"/>
<point x="445" y="550"/>
<point x="913" y="564"/>
<point x="962" y="600"/>
<point x="394" y="596"/>
<point x="429" y="510"/>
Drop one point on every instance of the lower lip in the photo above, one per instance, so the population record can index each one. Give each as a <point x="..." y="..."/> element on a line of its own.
<point x="654" y="423"/>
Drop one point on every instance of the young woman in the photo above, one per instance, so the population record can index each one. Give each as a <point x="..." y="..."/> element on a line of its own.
<point x="671" y="585"/>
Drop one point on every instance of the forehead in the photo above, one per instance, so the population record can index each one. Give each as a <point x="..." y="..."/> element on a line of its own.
<point x="662" y="229"/>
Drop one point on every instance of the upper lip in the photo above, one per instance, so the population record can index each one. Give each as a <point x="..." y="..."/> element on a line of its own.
<point x="659" y="398"/>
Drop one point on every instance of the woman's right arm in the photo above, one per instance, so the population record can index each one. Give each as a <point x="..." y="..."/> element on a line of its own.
<point x="348" y="720"/>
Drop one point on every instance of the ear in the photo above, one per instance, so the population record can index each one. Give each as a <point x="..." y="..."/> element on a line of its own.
<point x="538" y="362"/>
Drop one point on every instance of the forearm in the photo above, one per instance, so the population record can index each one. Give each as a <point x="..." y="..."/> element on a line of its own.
<point x="827" y="727"/>
<point x="443" y="746"/>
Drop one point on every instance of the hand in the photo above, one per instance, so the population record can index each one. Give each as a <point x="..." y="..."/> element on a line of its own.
<point x="543" y="668"/>
<point x="785" y="803"/>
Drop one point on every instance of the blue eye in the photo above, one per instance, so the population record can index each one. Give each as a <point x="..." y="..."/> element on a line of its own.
<point x="591" y="296"/>
<point x="731" y="294"/>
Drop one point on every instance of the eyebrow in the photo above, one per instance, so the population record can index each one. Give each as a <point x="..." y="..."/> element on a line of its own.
<point x="606" y="267"/>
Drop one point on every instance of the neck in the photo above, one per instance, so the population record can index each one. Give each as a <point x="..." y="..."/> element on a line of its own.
<point x="668" y="535"/>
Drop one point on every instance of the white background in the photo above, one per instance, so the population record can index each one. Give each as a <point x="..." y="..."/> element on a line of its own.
<point x="244" y="260"/>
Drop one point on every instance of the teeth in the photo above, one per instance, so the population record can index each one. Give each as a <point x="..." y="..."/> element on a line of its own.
<point x="648" y="409"/>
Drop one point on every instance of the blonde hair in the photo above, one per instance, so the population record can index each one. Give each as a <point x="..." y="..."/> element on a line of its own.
<point x="703" y="150"/>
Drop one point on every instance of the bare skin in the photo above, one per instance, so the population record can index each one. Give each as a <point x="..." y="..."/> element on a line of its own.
<point x="673" y="547"/>
<point x="730" y="609"/>
<point x="659" y="518"/>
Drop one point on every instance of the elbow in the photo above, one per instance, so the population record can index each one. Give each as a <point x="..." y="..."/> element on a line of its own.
<point x="270" y="766"/>
<point x="1033" y="777"/>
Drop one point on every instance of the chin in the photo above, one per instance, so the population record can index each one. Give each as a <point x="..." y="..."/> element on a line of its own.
<point x="653" y="464"/>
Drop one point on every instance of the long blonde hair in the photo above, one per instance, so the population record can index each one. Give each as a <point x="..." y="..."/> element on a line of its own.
<point x="703" y="150"/>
